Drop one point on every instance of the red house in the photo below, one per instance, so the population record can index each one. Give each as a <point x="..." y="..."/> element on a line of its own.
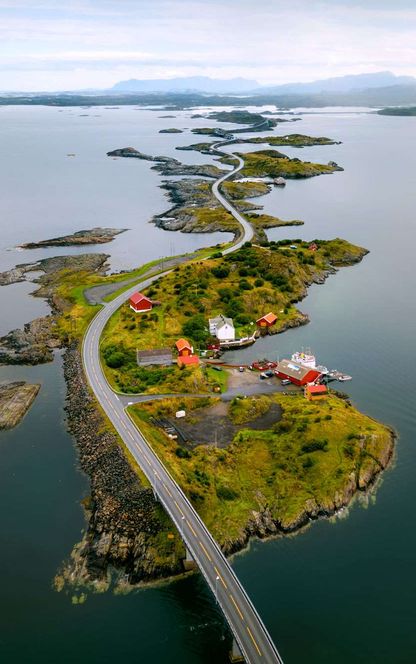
<point x="298" y="374"/>
<point x="316" y="392"/>
<point x="184" y="348"/>
<point x="188" y="360"/>
<point x="313" y="247"/>
<point x="267" y="321"/>
<point x="140" y="303"/>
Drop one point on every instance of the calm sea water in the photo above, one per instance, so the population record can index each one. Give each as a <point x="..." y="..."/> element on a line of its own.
<point x="341" y="591"/>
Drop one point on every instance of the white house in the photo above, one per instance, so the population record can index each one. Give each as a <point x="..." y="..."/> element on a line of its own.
<point x="222" y="327"/>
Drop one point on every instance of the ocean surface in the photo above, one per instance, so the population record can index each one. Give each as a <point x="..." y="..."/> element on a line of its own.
<point x="342" y="590"/>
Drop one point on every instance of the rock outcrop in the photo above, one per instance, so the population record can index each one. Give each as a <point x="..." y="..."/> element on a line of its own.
<point x="15" y="400"/>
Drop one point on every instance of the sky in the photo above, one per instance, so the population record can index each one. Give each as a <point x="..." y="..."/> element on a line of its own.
<point x="50" y="45"/>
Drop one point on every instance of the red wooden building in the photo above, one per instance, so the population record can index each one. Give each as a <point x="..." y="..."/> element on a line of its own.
<point x="298" y="374"/>
<point x="184" y="348"/>
<point x="267" y="321"/>
<point x="140" y="303"/>
<point x="188" y="360"/>
<point x="316" y="392"/>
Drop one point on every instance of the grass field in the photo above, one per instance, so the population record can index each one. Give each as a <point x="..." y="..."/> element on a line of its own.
<point x="311" y="461"/>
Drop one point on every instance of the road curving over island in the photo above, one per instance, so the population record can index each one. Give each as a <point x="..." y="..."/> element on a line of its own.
<point x="250" y="633"/>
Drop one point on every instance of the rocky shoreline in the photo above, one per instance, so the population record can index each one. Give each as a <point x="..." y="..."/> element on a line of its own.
<point x="361" y="483"/>
<point x="123" y="518"/>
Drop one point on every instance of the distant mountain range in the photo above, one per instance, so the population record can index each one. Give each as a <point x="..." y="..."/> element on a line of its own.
<point x="187" y="84"/>
<point x="339" y="84"/>
<point x="381" y="89"/>
<point x="381" y="79"/>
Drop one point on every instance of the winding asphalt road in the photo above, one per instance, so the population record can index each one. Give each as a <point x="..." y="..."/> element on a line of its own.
<point x="249" y="631"/>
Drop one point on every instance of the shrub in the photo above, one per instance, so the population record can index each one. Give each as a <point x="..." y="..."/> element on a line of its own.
<point x="221" y="272"/>
<point x="115" y="360"/>
<point x="182" y="453"/>
<point x="315" y="446"/>
<point x="308" y="463"/>
<point x="225" y="493"/>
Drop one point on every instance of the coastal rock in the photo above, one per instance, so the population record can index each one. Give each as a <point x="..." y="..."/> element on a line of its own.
<point x="32" y="345"/>
<point x="171" y="131"/>
<point x="123" y="519"/>
<point x="92" y="236"/>
<point x="82" y="262"/>
<point x="15" y="400"/>
<point x="168" y="166"/>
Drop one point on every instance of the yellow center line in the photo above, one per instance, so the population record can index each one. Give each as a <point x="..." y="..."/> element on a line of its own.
<point x="191" y="529"/>
<point x="205" y="551"/>
<point x="236" y="606"/>
<point x="220" y="578"/>
<point x="178" y="508"/>
<point x="254" y="640"/>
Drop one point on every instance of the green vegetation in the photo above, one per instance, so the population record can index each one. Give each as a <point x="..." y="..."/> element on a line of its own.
<point x="236" y="190"/>
<point x="242" y="410"/>
<point x="239" y="117"/>
<point x="244" y="285"/>
<point x="206" y="220"/>
<point x="293" y="140"/>
<point x="261" y="221"/>
<point x="275" y="164"/>
<point x="304" y="466"/>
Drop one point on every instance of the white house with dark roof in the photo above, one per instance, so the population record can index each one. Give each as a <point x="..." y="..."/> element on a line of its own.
<point x="222" y="328"/>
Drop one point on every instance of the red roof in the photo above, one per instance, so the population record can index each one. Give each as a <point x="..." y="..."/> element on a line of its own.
<point x="136" y="298"/>
<point x="188" y="359"/>
<point x="182" y="344"/>
<point x="269" y="318"/>
<point x="316" y="389"/>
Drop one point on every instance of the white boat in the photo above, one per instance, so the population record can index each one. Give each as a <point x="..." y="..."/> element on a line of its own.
<point x="305" y="358"/>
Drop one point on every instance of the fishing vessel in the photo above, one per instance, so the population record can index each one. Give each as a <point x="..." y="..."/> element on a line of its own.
<point x="307" y="359"/>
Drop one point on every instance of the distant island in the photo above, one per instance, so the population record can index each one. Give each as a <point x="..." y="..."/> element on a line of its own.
<point x="92" y="236"/>
<point x="398" y="110"/>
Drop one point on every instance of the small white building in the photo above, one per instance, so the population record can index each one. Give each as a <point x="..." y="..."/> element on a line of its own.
<point x="222" y="328"/>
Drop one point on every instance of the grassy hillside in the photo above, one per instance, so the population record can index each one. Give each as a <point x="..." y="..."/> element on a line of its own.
<point x="245" y="285"/>
<point x="310" y="462"/>
<point x="275" y="164"/>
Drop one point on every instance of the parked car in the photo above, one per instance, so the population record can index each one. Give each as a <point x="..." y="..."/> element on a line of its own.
<point x="241" y="369"/>
<point x="267" y="374"/>
<point x="285" y="381"/>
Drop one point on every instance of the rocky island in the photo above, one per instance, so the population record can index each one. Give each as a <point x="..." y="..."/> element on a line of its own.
<point x="15" y="400"/>
<point x="92" y="236"/>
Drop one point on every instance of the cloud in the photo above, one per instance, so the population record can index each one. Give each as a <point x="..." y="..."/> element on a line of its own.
<point x="94" y="44"/>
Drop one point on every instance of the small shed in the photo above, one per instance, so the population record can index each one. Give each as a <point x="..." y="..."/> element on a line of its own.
<point x="188" y="360"/>
<point x="159" y="356"/>
<point x="313" y="247"/>
<point x="315" y="392"/>
<point x="184" y="348"/>
<point x="267" y="321"/>
<point x="140" y="303"/>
